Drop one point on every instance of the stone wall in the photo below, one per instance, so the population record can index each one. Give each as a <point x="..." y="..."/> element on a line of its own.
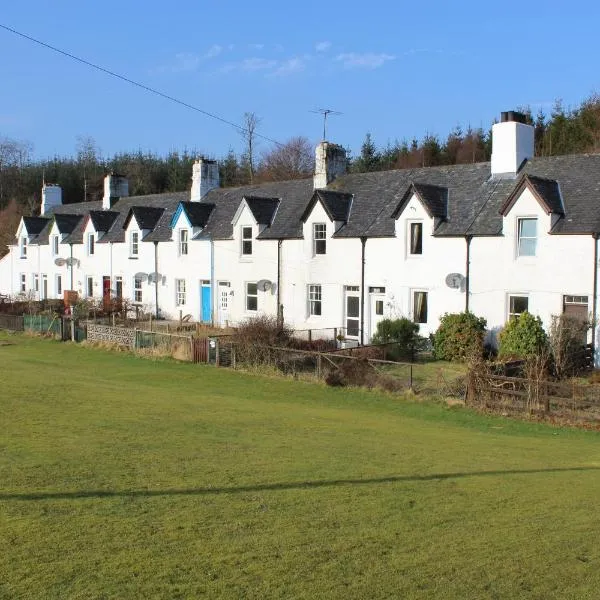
<point x="113" y="335"/>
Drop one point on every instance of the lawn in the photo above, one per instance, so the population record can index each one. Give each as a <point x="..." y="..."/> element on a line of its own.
<point x="124" y="477"/>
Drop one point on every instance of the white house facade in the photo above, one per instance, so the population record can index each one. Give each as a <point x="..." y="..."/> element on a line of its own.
<point x="337" y="251"/>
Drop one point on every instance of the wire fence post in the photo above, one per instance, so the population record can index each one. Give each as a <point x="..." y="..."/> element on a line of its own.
<point x="410" y="385"/>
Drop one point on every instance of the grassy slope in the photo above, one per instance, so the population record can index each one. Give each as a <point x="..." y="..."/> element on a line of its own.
<point x="123" y="477"/>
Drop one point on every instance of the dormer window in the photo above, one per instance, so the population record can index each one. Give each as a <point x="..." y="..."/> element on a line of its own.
<point x="54" y="245"/>
<point x="24" y="246"/>
<point x="319" y="238"/>
<point x="183" y="242"/>
<point x="134" y="248"/>
<point x="246" y="241"/>
<point x="526" y="236"/>
<point x="91" y="242"/>
<point x="415" y="238"/>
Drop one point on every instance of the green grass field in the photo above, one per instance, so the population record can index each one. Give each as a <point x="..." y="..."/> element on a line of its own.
<point x="124" y="477"/>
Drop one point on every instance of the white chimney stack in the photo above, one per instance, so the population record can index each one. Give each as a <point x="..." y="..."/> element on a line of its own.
<point x="51" y="197"/>
<point x="205" y="177"/>
<point x="330" y="162"/>
<point x="115" y="187"/>
<point x="512" y="143"/>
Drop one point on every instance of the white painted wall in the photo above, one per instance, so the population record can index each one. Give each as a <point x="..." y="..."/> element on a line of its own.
<point x="192" y="267"/>
<point x="563" y="264"/>
<point x="238" y="269"/>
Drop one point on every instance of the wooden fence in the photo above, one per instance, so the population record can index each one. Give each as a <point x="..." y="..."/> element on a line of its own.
<point x="542" y="397"/>
<point x="12" y="322"/>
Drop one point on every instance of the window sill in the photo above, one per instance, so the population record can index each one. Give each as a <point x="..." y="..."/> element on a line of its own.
<point x="133" y="258"/>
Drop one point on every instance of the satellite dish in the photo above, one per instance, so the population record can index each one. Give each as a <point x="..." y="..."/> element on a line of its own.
<point x="154" y="277"/>
<point x="141" y="276"/>
<point x="454" y="280"/>
<point x="60" y="262"/>
<point x="264" y="285"/>
<point x="70" y="262"/>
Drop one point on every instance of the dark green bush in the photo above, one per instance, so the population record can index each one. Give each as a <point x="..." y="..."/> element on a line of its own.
<point x="459" y="336"/>
<point x="523" y="336"/>
<point x="402" y="335"/>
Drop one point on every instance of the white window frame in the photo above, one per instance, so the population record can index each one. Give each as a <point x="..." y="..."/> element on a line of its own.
<point x="246" y="240"/>
<point x="249" y="296"/>
<point x="410" y="225"/>
<point x="23" y="283"/>
<point x="315" y="300"/>
<point x="35" y="278"/>
<point x="520" y="237"/>
<point x="91" y="244"/>
<point x="511" y="313"/>
<point x="58" y="285"/>
<point x="137" y="290"/>
<point x="184" y="237"/>
<point x="134" y="244"/>
<point x="23" y="246"/>
<point x="55" y="247"/>
<point x="89" y="286"/>
<point x="414" y="308"/>
<point x="319" y="239"/>
<point x="180" y="295"/>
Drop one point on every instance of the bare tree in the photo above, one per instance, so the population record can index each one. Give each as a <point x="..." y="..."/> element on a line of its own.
<point x="251" y="122"/>
<point x="88" y="156"/>
<point x="292" y="160"/>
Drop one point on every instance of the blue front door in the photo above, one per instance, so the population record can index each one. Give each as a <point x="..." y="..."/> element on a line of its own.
<point x="205" y="308"/>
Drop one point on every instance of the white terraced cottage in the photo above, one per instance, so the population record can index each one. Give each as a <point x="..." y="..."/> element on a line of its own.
<point x="339" y="250"/>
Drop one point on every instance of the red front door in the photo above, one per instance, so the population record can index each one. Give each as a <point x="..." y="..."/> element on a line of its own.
<point x="106" y="293"/>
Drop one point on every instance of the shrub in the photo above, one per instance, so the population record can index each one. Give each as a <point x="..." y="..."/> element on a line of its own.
<point x="253" y="336"/>
<point x="567" y="339"/>
<point x="402" y="335"/>
<point x="523" y="336"/>
<point x="459" y="336"/>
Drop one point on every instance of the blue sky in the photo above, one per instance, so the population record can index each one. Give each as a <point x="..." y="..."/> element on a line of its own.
<point x="395" y="69"/>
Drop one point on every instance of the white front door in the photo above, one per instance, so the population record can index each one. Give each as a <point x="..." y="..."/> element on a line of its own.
<point x="224" y="290"/>
<point x="376" y="310"/>
<point x="352" y="311"/>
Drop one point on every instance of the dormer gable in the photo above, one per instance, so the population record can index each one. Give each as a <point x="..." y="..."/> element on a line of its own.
<point x="145" y="218"/>
<point x="31" y="226"/>
<point x="337" y="206"/>
<point x="101" y="220"/>
<point x="192" y="215"/>
<point x="545" y="191"/>
<point x="261" y="209"/>
<point x="433" y="198"/>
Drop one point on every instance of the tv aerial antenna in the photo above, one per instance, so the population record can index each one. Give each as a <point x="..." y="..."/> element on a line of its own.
<point x="326" y="112"/>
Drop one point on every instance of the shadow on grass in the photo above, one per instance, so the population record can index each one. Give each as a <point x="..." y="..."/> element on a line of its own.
<point x="261" y="487"/>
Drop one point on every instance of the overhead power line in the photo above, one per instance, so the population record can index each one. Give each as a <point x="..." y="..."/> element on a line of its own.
<point x="143" y="86"/>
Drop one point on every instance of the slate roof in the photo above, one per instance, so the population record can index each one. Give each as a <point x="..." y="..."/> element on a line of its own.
<point x="464" y="199"/>
<point x="263" y="209"/>
<point x="578" y="176"/>
<point x="162" y="230"/>
<point x="294" y="197"/>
